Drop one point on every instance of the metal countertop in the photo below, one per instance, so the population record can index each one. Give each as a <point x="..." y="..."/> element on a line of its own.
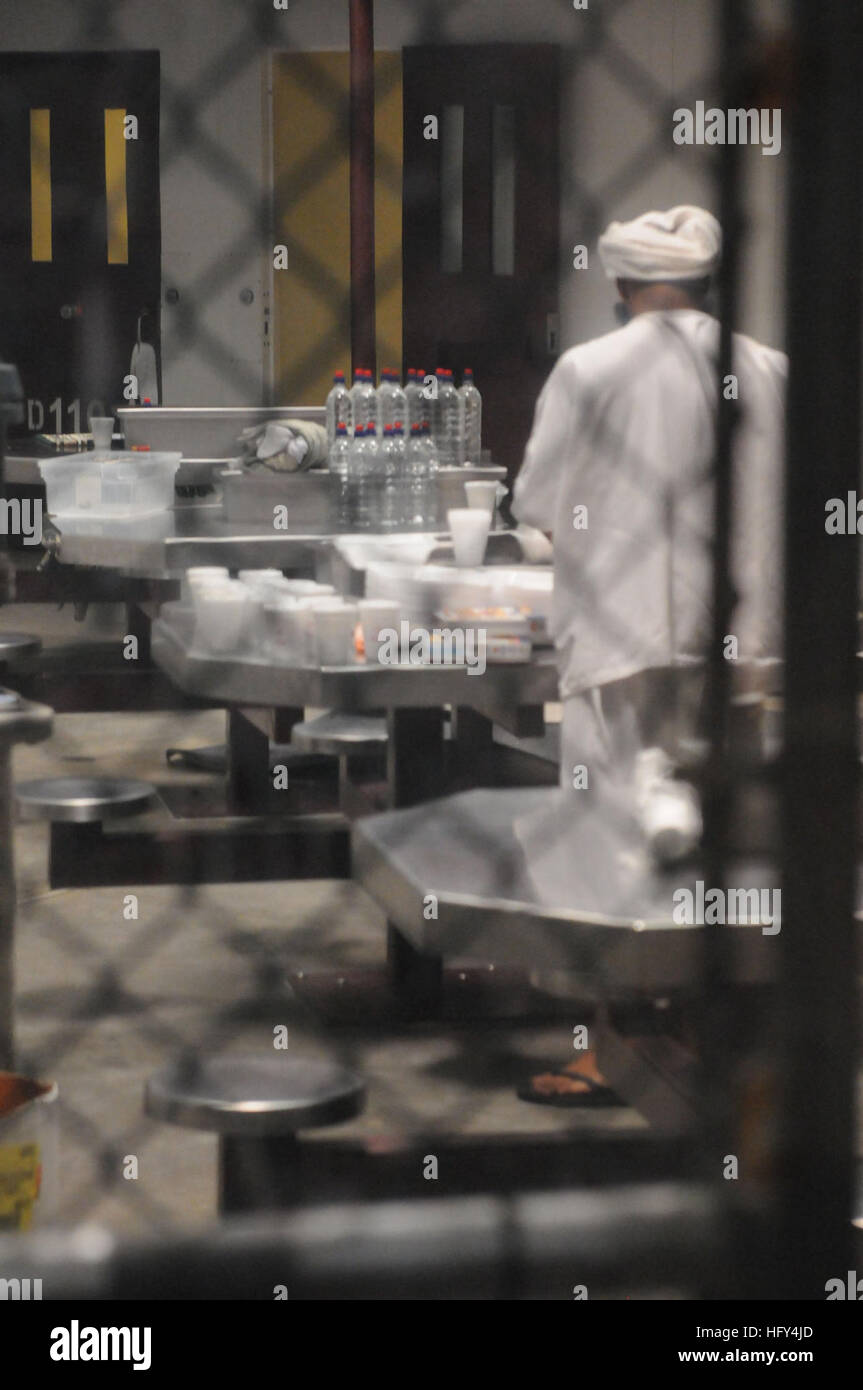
<point x="197" y="533"/>
<point x="169" y="542"/>
<point x="617" y="936"/>
<point x="498" y="692"/>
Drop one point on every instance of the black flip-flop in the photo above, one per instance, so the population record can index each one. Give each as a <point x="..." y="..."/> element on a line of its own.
<point x="596" y="1096"/>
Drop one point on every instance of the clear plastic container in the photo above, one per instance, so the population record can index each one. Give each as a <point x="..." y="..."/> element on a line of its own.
<point x="107" y="486"/>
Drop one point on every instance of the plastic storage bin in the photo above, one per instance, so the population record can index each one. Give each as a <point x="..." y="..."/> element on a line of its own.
<point x="105" y="486"/>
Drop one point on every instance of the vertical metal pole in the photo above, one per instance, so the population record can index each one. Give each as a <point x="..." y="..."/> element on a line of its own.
<point x="20" y="722"/>
<point x="362" y="109"/>
<point x="716" y="1014"/>
<point x="10" y="409"/>
<point x="7" y="913"/>
<point x="11" y="412"/>
<point x="818" y="996"/>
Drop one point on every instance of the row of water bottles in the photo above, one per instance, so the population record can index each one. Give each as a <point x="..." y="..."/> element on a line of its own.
<point x="385" y="482"/>
<point x="454" y="416"/>
<point x="386" y="445"/>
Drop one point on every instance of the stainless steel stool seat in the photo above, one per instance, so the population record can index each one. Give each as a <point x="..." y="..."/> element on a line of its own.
<point x="340" y="735"/>
<point x="253" y="1095"/>
<point x="257" y="1106"/>
<point x="82" y="800"/>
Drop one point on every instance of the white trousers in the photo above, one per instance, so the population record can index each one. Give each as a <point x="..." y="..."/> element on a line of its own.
<point x="603" y="730"/>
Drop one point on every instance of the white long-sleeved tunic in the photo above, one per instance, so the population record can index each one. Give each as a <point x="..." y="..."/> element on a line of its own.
<point x="619" y="468"/>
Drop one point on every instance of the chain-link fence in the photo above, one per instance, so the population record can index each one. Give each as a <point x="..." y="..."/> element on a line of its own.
<point x="116" y="982"/>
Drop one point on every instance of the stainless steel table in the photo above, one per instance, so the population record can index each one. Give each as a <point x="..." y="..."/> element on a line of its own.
<point x="168" y="543"/>
<point x="615" y="938"/>
<point x="421" y="762"/>
<point x="498" y="693"/>
<point x="198" y="533"/>
<point x="614" y="942"/>
<point x="265" y="700"/>
<point x="235" y="833"/>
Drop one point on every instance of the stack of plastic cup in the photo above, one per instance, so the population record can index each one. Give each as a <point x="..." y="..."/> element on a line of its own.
<point x="334" y="625"/>
<point x="226" y="616"/>
<point x="198" y="575"/>
<point x="377" y="615"/>
<point x="284" y="639"/>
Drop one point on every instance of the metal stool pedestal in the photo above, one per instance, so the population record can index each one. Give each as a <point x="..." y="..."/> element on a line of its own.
<point x="257" y="1106"/>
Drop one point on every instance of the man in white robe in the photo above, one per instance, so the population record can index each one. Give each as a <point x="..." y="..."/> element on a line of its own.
<point x="618" y="470"/>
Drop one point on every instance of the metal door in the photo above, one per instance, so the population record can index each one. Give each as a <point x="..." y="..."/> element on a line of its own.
<point x="481" y="217"/>
<point x="80" y="235"/>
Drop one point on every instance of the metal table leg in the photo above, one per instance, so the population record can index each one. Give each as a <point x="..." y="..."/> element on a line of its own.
<point x="415" y="755"/>
<point x="417" y="980"/>
<point x="258" y="1174"/>
<point x="20" y="722"/>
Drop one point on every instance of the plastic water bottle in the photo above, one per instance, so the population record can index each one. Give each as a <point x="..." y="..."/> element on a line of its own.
<point x="471" y="418"/>
<point x="433" y="411"/>
<point x="421" y="470"/>
<point x="372" y="511"/>
<point x="432" y="511"/>
<point x="401" y="453"/>
<point x="392" y="404"/>
<point x="354" y="394"/>
<point x="416" y="469"/>
<point x="339" y="463"/>
<point x="338" y="408"/>
<point x="364" y="399"/>
<point x="390" y="500"/>
<point x="338" y="460"/>
<point x="357" y="490"/>
<point x="415" y="400"/>
<point x="446" y="416"/>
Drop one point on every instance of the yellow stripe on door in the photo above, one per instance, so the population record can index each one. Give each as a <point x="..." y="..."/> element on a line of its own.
<point x="115" y="187"/>
<point x="40" y="184"/>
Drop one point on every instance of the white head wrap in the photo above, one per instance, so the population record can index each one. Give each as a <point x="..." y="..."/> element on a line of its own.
<point x="682" y="244"/>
